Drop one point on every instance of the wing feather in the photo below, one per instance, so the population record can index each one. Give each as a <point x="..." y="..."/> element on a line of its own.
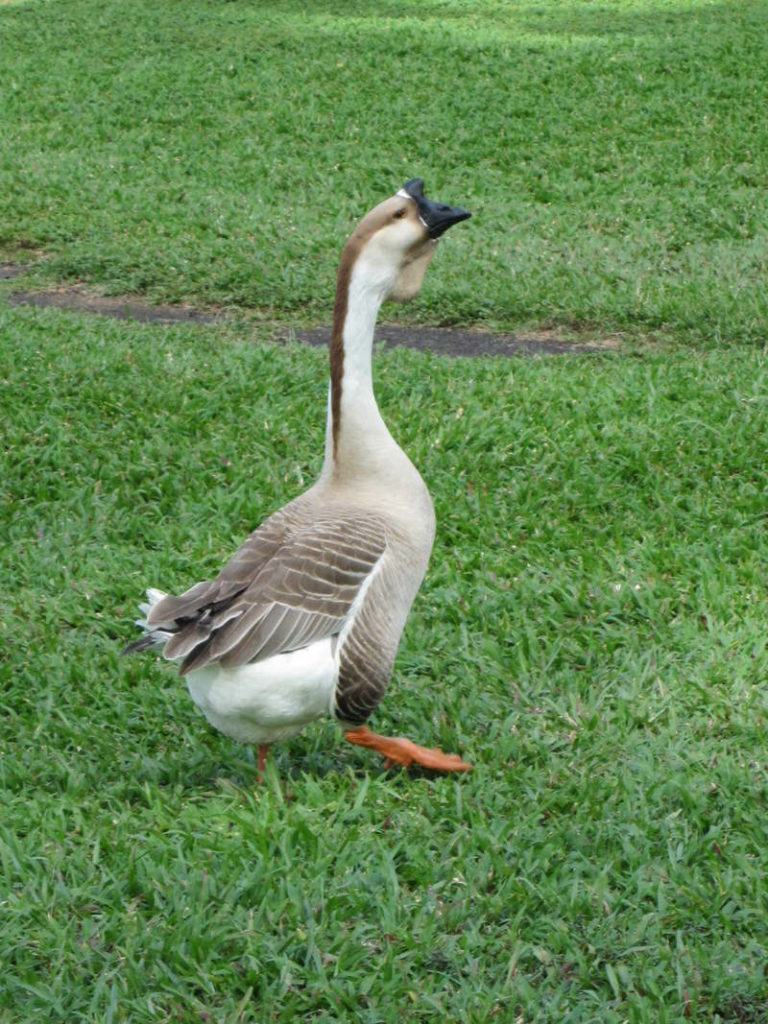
<point x="282" y="590"/>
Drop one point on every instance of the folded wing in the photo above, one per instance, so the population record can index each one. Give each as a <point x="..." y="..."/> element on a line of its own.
<point x="291" y="583"/>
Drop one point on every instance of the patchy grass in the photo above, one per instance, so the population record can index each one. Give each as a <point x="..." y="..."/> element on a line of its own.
<point x="591" y="635"/>
<point x="615" y="155"/>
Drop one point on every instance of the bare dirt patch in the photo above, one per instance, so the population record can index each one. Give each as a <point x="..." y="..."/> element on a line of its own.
<point x="447" y="341"/>
<point x="117" y="307"/>
<point x="11" y="270"/>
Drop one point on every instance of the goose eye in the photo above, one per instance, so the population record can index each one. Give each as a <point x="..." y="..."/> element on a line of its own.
<point x="398" y="214"/>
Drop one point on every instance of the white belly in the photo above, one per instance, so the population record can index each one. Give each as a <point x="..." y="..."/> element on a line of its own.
<point x="269" y="700"/>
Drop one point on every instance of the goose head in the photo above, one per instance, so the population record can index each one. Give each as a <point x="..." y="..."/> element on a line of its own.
<point x="394" y="243"/>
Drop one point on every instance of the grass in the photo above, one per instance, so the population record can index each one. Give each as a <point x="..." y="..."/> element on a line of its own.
<point x="615" y="156"/>
<point x="591" y="635"/>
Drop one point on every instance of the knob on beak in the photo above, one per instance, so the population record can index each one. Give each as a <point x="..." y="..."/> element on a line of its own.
<point x="436" y="217"/>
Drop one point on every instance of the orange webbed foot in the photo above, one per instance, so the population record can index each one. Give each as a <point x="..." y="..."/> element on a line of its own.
<point x="398" y="750"/>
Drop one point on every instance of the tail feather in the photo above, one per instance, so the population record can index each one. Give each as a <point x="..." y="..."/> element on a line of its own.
<point x="215" y="595"/>
<point x="153" y="635"/>
<point x="144" y="643"/>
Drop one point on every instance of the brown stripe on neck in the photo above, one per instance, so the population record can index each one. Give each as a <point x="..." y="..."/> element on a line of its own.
<point x="337" y="338"/>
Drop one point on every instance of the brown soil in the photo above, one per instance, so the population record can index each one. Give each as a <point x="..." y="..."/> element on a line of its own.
<point x="120" y="308"/>
<point x="9" y="270"/>
<point x="448" y="341"/>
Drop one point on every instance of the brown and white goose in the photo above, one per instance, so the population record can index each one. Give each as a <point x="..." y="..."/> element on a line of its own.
<point x="305" y="619"/>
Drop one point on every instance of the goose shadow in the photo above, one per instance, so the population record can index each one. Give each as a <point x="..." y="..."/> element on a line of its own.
<point x="217" y="767"/>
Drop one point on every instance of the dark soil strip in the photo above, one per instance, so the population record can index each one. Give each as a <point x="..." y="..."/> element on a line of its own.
<point x="121" y="309"/>
<point x="9" y="270"/>
<point x="446" y="341"/>
<point x="449" y="341"/>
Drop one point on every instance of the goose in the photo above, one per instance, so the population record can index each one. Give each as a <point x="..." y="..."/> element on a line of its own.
<point x="305" y="619"/>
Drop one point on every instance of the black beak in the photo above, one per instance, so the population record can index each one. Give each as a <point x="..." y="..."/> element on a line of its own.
<point x="436" y="217"/>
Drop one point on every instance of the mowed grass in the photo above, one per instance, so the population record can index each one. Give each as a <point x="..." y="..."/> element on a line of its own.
<point x="615" y="155"/>
<point x="591" y="635"/>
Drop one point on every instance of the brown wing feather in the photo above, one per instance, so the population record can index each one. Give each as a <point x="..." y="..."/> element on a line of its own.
<point x="233" y="579"/>
<point x="281" y="591"/>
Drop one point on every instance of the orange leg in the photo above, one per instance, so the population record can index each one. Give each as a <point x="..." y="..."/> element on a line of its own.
<point x="262" y="761"/>
<point x="402" y="751"/>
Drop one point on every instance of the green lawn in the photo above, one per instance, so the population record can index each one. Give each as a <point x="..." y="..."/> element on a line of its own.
<point x="615" y="154"/>
<point x="592" y="631"/>
<point x="591" y="636"/>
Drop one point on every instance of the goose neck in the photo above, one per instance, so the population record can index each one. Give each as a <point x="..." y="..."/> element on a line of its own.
<point x="357" y="439"/>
